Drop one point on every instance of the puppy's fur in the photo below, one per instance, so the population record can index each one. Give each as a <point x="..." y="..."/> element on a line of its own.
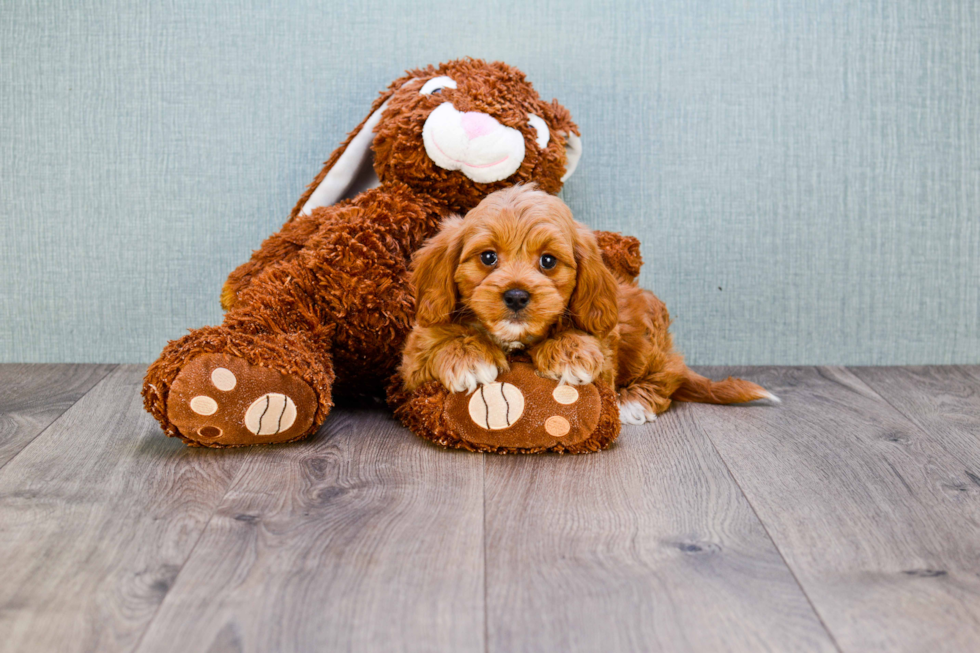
<point x="579" y="324"/>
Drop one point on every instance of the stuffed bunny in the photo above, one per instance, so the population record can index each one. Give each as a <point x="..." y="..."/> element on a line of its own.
<point x="323" y="307"/>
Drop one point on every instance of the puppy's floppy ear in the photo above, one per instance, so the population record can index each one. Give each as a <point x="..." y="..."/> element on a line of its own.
<point x="433" y="269"/>
<point x="593" y="304"/>
<point x="350" y="169"/>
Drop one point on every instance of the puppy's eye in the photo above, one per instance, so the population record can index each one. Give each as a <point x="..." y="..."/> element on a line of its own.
<point x="436" y="84"/>
<point x="489" y="259"/>
<point x="548" y="261"/>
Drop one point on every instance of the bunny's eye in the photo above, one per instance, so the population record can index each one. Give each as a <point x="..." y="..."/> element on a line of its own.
<point x="436" y="84"/>
<point x="544" y="134"/>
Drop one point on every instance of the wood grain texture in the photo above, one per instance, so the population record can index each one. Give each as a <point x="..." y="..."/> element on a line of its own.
<point x="867" y="509"/>
<point x="649" y="546"/>
<point x="364" y="538"/>
<point x="97" y="516"/>
<point x="850" y="519"/>
<point x="943" y="401"/>
<point x="972" y="370"/>
<point x="33" y="396"/>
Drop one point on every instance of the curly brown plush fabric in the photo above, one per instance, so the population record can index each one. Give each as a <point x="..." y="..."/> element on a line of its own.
<point x="586" y="419"/>
<point x="288" y="353"/>
<point x="328" y="296"/>
<point x="621" y="254"/>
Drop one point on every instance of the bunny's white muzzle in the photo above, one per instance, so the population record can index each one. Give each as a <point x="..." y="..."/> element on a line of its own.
<point x="473" y="143"/>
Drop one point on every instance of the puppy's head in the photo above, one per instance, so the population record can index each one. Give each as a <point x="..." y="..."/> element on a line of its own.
<point x="518" y="263"/>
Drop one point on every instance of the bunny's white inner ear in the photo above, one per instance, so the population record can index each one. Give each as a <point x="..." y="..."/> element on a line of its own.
<point x="573" y="152"/>
<point x="354" y="171"/>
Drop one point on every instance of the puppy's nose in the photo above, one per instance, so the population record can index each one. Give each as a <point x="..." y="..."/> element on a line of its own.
<point x="516" y="299"/>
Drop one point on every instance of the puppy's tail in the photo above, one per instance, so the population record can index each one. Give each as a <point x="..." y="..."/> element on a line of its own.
<point x="697" y="388"/>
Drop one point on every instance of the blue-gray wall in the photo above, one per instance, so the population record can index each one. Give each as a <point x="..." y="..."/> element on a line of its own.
<point x="805" y="176"/>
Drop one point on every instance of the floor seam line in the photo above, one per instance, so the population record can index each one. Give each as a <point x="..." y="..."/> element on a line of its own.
<point x="59" y="417"/>
<point x="183" y="565"/>
<point x="816" y="613"/>
<point x="908" y="418"/>
<point x="486" y="624"/>
<point x="968" y="370"/>
<point x="190" y="554"/>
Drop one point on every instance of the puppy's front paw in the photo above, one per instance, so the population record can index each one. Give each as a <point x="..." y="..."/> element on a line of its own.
<point x="570" y="359"/>
<point x="464" y="372"/>
<point x="459" y="357"/>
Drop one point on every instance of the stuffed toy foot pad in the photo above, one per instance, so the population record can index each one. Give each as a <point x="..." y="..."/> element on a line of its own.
<point x="520" y="412"/>
<point x="219" y="400"/>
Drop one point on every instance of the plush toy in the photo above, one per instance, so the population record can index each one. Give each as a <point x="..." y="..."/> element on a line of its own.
<point x="521" y="412"/>
<point x="322" y="308"/>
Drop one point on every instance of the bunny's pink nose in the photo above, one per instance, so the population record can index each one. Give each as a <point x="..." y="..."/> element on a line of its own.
<point x="477" y="124"/>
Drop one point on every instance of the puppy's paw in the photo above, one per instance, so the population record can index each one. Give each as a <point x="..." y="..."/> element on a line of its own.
<point x="571" y="360"/>
<point x="576" y="375"/>
<point x="458" y="357"/>
<point x="466" y="374"/>
<point x="635" y="412"/>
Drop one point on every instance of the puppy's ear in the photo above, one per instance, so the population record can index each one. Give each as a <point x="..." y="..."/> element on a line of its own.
<point x="593" y="304"/>
<point x="433" y="269"/>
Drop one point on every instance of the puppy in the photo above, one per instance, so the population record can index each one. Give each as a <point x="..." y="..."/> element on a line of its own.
<point x="519" y="273"/>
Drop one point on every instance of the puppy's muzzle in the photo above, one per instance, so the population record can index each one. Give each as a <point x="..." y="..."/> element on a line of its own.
<point x="516" y="299"/>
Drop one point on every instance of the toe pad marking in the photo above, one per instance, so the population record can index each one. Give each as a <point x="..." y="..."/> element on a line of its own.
<point x="270" y="414"/>
<point x="223" y="379"/>
<point x="557" y="426"/>
<point x="203" y="405"/>
<point x="496" y="406"/>
<point x="565" y="394"/>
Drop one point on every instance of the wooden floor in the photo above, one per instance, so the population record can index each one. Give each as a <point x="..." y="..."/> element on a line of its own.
<point x="847" y="518"/>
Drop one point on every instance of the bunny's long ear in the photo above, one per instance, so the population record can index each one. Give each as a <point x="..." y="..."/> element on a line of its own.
<point x="573" y="153"/>
<point x="350" y="169"/>
<point x="569" y="134"/>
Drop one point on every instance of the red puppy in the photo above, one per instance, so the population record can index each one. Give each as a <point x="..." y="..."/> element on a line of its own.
<point x="518" y="272"/>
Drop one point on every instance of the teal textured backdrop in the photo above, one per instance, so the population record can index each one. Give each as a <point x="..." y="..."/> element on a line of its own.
<point x="805" y="177"/>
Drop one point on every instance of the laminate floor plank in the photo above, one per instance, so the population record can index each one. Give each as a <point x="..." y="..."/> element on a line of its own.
<point x="972" y="370"/>
<point x="33" y="396"/>
<point x="648" y="546"/>
<point x="363" y="538"/>
<point x="97" y="516"/>
<point x="944" y="401"/>
<point x="846" y="518"/>
<point x="867" y="509"/>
